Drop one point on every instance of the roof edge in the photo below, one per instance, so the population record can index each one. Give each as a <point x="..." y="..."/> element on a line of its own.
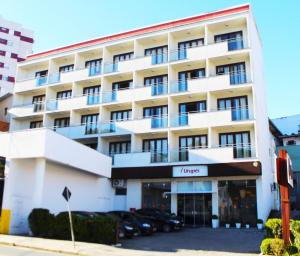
<point x="142" y="30"/>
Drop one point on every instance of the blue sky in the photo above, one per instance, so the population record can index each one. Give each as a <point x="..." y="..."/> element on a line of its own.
<point x="60" y="22"/>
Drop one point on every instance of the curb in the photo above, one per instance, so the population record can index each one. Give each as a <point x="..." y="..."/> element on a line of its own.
<point x="41" y="248"/>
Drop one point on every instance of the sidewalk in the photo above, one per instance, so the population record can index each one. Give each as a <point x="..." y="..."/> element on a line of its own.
<point x="90" y="249"/>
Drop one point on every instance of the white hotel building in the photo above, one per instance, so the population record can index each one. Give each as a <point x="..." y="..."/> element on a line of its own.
<point x="179" y="106"/>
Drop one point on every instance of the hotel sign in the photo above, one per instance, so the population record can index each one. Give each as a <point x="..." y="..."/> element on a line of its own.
<point x="190" y="171"/>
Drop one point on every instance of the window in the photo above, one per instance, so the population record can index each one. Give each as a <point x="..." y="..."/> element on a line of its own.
<point x="66" y="68"/>
<point x="123" y="57"/>
<point x="93" y="94"/>
<point x="154" y="195"/>
<point x="38" y="103"/>
<point x="159" y="84"/>
<point x="36" y="124"/>
<point x="237" y="72"/>
<point x="183" y="76"/>
<point x="41" y="73"/>
<point x="192" y="107"/>
<point x="240" y="141"/>
<point x="121" y="191"/>
<point x="64" y="94"/>
<point x="190" y="142"/>
<point x="92" y="145"/>
<point x="91" y="123"/>
<point x="158" y="149"/>
<point x="237" y="201"/>
<point x="122" y="85"/>
<point x="159" y="54"/>
<point x="4" y="30"/>
<point x="291" y="142"/>
<point x="121" y="115"/>
<point x="238" y="106"/>
<point x="234" y="39"/>
<point x="182" y="46"/>
<point x="5" y="111"/>
<point x="94" y="66"/>
<point x="155" y="111"/>
<point x="62" y="122"/>
<point x="2" y="53"/>
<point x="119" y="147"/>
<point x="3" y="41"/>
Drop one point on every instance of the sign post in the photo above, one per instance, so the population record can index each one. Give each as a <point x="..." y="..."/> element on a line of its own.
<point x="284" y="179"/>
<point x="67" y="194"/>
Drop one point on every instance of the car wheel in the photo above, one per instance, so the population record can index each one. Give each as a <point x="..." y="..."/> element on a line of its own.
<point x="166" y="228"/>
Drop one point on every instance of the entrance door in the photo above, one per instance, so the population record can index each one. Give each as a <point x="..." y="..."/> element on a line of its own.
<point x="195" y="208"/>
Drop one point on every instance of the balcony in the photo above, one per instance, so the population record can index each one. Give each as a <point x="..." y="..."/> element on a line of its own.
<point x="212" y="83"/>
<point x="204" y="155"/>
<point x="27" y="110"/>
<point x="144" y="159"/>
<point x="145" y="125"/>
<point x="207" y="51"/>
<point x="78" y="131"/>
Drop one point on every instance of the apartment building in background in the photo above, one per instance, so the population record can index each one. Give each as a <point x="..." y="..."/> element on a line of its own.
<point x="289" y="126"/>
<point x="180" y="107"/>
<point x="15" y="44"/>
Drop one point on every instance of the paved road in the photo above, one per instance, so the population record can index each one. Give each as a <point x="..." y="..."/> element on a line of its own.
<point x="19" y="251"/>
<point x="213" y="241"/>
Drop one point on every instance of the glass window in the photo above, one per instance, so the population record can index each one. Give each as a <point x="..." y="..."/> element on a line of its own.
<point x="119" y="147"/>
<point x="237" y="201"/>
<point x="156" y="195"/>
<point x="64" y="94"/>
<point x="66" y="68"/>
<point x="36" y="124"/>
<point x="121" y="115"/>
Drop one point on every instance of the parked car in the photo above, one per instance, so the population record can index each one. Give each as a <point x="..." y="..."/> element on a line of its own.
<point x="125" y="228"/>
<point x="164" y="221"/>
<point x="145" y="227"/>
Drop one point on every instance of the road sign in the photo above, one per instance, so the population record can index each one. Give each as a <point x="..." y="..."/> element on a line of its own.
<point x="66" y="194"/>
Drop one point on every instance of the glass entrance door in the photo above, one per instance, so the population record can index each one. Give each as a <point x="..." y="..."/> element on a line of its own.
<point x="195" y="208"/>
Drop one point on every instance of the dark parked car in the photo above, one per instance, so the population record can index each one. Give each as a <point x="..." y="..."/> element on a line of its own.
<point x="145" y="226"/>
<point x="125" y="228"/>
<point x="164" y="221"/>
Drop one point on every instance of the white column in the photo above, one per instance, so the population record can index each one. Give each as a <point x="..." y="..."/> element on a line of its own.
<point x="174" y="197"/>
<point x="40" y="168"/>
<point x="215" y="198"/>
<point x="134" y="194"/>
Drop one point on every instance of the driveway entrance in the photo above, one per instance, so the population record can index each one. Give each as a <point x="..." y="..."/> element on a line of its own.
<point x="201" y="241"/>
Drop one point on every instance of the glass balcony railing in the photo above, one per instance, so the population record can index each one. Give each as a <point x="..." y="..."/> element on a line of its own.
<point x="108" y="97"/>
<point x="108" y="127"/>
<point x="38" y="106"/>
<point x="243" y="151"/>
<point x="235" y="44"/>
<point x="159" y="157"/>
<point x="159" y="121"/>
<point x="159" y="89"/>
<point x="239" y="77"/>
<point x="91" y="128"/>
<point x="54" y="78"/>
<point x="179" y="86"/>
<point x="41" y="80"/>
<point x="111" y="67"/>
<point x="239" y="114"/>
<point x="180" y="120"/>
<point x="159" y="58"/>
<point x="93" y="99"/>
<point x="94" y="70"/>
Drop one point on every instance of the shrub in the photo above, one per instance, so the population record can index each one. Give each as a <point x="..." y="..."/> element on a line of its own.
<point x="291" y="250"/>
<point x="265" y="246"/>
<point x="100" y="229"/>
<point x="277" y="246"/>
<point x="273" y="228"/>
<point x="295" y="230"/>
<point x="41" y="222"/>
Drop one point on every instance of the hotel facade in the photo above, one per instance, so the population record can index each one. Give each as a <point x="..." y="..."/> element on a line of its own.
<point x="180" y="108"/>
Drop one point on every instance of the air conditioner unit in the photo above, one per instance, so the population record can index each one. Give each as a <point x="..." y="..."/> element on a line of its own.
<point x="119" y="183"/>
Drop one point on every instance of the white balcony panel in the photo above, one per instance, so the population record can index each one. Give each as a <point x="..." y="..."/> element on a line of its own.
<point x="126" y="66"/>
<point x="72" y="103"/>
<point x="26" y="85"/>
<point x="209" y="119"/>
<point x="54" y="147"/>
<point x="22" y="111"/>
<point x="77" y="75"/>
<point x="213" y="83"/>
<point x="211" y="155"/>
<point x="132" y="159"/>
<point x="143" y="63"/>
<point x="208" y="51"/>
<point x="142" y="93"/>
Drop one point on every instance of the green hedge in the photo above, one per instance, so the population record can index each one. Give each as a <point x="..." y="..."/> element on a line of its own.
<point x="100" y="229"/>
